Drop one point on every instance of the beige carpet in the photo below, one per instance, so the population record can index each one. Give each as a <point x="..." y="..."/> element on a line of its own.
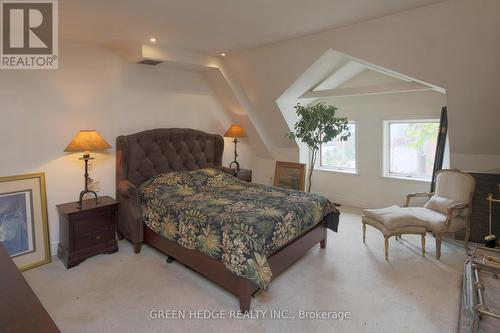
<point x="115" y="293"/>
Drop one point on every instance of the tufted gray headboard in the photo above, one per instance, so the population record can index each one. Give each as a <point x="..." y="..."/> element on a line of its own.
<point x="144" y="155"/>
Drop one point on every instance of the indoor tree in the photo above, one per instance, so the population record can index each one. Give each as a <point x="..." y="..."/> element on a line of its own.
<point x="317" y="125"/>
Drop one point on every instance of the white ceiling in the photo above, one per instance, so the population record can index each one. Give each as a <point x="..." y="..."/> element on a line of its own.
<point x="215" y="25"/>
<point x="369" y="82"/>
<point x="370" y="78"/>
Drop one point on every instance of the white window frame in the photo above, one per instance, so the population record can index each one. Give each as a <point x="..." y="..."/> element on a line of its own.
<point x="353" y="171"/>
<point x="386" y="150"/>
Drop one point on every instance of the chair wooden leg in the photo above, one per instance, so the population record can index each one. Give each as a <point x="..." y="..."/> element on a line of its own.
<point x="137" y="247"/>
<point x="467" y="235"/>
<point x="386" y="248"/>
<point x="439" y="237"/>
<point x="364" y="232"/>
<point x="119" y="235"/>
<point x="423" y="245"/>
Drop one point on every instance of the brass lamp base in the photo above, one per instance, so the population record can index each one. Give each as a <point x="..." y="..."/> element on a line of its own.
<point x="86" y="158"/>
<point x="235" y="162"/>
<point x="82" y="193"/>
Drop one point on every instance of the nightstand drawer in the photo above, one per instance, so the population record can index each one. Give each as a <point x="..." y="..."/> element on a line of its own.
<point x="93" y="223"/>
<point x="93" y="239"/>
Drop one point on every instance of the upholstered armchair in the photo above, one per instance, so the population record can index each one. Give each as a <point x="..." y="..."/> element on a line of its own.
<point x="449" y="207"/>
<point x="448" y="210"/>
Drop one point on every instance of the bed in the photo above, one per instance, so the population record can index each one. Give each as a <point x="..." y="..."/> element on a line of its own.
<point x="176" y="196"/>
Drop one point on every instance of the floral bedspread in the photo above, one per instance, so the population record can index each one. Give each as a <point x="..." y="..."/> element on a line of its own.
<point x="235" y="222"/>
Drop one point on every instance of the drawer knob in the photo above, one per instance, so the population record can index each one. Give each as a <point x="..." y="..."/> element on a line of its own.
<point x="98" y="237"/>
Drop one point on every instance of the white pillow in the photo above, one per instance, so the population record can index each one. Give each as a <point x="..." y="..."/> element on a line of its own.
<point x="440" y="204"/>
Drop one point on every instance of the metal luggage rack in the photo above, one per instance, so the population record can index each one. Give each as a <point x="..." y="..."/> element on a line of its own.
<point x="482" y="260"/>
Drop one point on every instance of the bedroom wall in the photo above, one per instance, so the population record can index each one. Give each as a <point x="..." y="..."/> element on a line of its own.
<point x="41" y="110"/>
<point x="453" y="44"/>
<point x="369" y="112"/>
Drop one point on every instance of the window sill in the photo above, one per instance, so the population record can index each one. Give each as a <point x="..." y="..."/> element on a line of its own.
<point x="347" y="172"/>
<point x="407" y="179"/>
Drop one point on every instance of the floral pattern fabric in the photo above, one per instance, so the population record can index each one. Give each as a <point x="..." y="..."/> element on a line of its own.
<point x="235" y="222"/>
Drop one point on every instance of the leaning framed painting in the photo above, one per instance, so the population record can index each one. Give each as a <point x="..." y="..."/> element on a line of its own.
<point x="24" y="228"/>
<point x="290" y="175"/>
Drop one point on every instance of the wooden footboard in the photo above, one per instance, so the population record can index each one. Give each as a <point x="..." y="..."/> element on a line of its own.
<point x="218" y="273"/>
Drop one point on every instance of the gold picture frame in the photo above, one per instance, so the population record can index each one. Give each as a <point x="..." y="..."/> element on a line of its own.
<point x="290" y="175"/>
<point x="24" y="229"/>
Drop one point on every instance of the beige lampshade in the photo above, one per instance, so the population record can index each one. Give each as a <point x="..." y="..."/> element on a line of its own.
<point x="87" y="140"/>
<point x="235" y="131"/>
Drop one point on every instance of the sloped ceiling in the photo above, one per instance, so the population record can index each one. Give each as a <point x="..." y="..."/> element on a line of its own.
<point x="370" y="78"/>
<point x="225" y="88"/>
<point x="358" y="79"/>
<point x="215" y="25"/>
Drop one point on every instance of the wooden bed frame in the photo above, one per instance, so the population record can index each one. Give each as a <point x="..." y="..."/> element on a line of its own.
<point x="143" y="155"/>
<point x="216" y="272"/>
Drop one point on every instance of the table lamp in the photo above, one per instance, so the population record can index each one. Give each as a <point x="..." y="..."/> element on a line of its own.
<point x="235" y="131"/>
<point x="86" y="141"/>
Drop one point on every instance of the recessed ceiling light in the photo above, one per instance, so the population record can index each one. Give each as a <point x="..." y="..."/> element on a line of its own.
<point x="223" y="54"/>
<point x="152" y="40"/>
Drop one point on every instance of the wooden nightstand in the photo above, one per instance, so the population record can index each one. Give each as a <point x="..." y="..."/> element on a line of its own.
<point x="86" y="232"/>
<point x="245" y="174"/>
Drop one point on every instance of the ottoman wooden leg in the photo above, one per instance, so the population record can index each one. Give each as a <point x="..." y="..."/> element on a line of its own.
<point x="364" y="232"/>
<point x="438" y="246"/>
<point x="423" y="245"/>
<point x="386" y="248"/>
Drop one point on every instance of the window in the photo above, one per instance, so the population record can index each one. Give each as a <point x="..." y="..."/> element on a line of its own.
<point x="409" y="148"/>
<point x="340" y="155"/>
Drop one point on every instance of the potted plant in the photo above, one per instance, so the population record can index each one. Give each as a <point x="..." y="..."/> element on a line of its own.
<point x="317" y="125"/>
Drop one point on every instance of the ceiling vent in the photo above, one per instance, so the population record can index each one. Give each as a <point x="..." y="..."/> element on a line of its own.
<point x="150" y="62"/>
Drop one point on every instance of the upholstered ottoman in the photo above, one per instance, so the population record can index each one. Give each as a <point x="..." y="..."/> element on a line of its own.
<point x="393" y="221"/>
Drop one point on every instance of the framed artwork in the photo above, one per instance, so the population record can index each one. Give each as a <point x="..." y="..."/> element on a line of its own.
<point x="290" y="175"/>
<point x="24" y="229"/>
